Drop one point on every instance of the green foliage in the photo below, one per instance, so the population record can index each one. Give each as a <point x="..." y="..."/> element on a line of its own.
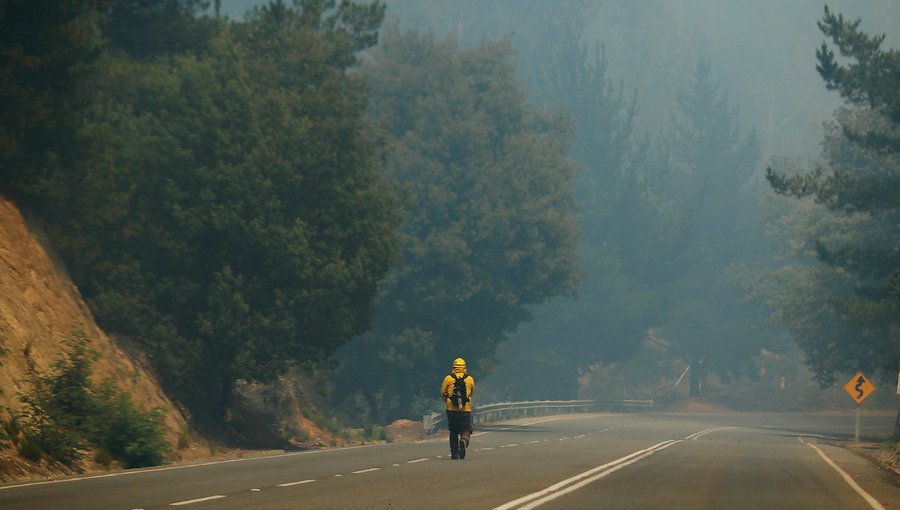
<point x="66" y="412"/>
<point x="184" y="438"/>
<point x="148" y="29"/>
<point x="12" y="429"/>
<point x="711" y="161"/>
<point x="842" y="310"/>
<point x="104" y="458"/>
<point x="373" y="432"/>
<point x="625" y="246"/>
<point x="489" y="227"/>
<point x="229" y="213"/>
<point x="872" y="78"/>
<point x="128" y="434"/>
<point x="30" y="449"/>
<point x="47" y="47"/>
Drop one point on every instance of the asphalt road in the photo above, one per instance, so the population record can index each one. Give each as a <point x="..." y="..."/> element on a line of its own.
<point x="617" y="461"/>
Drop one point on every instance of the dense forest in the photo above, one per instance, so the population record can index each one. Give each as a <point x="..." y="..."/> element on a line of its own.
<point x="322" y="185"/>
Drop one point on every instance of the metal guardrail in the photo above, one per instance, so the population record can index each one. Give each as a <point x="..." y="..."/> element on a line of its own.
<point x="508" y="410"/>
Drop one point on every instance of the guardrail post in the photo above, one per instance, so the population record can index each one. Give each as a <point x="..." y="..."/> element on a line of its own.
<point x="427" y="423"/>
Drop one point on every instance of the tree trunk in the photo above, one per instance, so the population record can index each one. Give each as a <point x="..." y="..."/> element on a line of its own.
<point x="226" y="395"/>
<point x="896" y="435"/>
<point x="696" y="378"/>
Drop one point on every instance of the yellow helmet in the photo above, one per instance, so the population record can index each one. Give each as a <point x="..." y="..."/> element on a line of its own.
<point x="459" y="363"/>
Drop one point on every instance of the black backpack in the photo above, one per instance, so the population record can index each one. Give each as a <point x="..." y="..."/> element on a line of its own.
<point x="459" y="397"/>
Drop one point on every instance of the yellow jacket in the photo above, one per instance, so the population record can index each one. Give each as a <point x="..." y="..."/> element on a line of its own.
<point x="447" y="389"/>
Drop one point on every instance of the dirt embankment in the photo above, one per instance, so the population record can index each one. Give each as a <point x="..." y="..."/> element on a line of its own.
<point x="40" y="308"/>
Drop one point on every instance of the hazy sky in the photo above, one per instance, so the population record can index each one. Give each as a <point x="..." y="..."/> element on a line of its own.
<point x="763" y="51"/>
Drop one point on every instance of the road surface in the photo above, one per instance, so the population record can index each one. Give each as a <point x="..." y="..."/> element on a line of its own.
<point x="581" y="461"/>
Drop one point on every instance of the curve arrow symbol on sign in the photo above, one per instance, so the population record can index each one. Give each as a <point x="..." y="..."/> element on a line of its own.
<point x="858" y="387"/>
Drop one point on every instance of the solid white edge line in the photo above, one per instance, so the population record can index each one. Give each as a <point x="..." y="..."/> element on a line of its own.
<point x="198" y="500"/>
<point x="555" y="488"/>
<point x="290" y="484"/>
<point x="140" y="471"/>
<point x="859" y="490"/>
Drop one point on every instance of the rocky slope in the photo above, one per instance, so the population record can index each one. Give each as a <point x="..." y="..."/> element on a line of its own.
<point x="40" y="308"/>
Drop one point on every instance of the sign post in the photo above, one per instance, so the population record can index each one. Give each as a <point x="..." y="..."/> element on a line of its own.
<point x="859" y="388"/>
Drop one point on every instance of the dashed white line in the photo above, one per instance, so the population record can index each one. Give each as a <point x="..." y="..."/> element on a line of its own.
<point x="365" y="470"/>
<point x="416" y="461"/>
<point x="198" y="500"/>
<point x="187" y="466"/>
<point x="291" y="484"/>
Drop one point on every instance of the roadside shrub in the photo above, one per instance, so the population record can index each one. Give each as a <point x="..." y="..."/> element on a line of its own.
<point x="130" y="435"/>
<point x="30" y="449"/>
<point x="104" y="458"/>
<point x="373" y="432"/>
<point x="184" y="438"/>
<point x="66" y="413"/>
<point x="11" y="428"/>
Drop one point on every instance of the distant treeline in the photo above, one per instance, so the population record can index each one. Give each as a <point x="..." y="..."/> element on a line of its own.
<point x="219" y="193"/>
<point x="246" y="196"/>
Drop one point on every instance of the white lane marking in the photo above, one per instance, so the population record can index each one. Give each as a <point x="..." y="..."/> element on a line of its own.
<point x="850" y="481"/>
<point x="576" y="482"/>
<point x="698" y="435"/>
<point x="365" y="471"/>
<point x="198" y="500"/>
<point x="291" y="484"/>
<point x="513" y="445"/>
<point x="416" y="461"/>
<point x="141" y="471"/>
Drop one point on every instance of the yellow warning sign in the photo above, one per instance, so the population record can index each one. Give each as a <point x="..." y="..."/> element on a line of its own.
<point x="858" y="387"/>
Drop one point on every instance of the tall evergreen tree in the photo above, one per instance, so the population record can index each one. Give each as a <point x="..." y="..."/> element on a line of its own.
<point x="713" y="161"/>
<point x="621" y="233"/>
<point x="860" y="188"/>
<point x="232" y="216"/>
<point x="47" y="49"/>
<point x="150" y="28"/>
<point x="489" y="228"/>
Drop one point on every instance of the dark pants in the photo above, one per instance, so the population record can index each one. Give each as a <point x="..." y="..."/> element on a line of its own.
<point x="460" y="425"/>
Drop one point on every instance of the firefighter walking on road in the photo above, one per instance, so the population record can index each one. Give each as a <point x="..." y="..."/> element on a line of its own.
<point x="457" y="390"/>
